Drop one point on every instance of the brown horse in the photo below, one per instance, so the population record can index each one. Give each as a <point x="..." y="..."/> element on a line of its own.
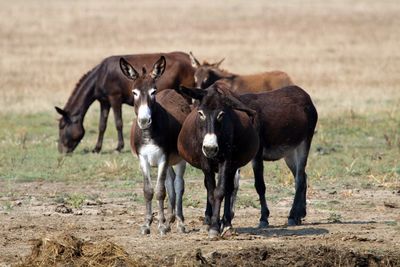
<point x="217" y="137"/>
<point x="154" y="138"/>
<point x="111" y="88"/>
<point x="208" y="73"/>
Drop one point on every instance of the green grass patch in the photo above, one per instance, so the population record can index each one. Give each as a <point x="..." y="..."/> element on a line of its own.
<point x="348" y="148"/>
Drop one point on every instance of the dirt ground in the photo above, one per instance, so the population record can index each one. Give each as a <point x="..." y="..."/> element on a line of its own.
<point x="362" y="235"/>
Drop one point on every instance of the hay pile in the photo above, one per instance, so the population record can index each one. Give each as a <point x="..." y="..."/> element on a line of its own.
<point x="67" y="250"/>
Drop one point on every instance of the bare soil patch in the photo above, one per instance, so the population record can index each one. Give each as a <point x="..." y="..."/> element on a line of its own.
<point x="106" y="232"/>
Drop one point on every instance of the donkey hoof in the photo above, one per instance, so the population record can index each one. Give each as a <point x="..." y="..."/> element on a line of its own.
<point x="163" y="229"/>
<point x="181" y="228"/>
<point x="263" y="224"/>
<point x="213" y="234"/>
<point x="294" y="221"/>
<point x="228" y="232"/>
<point x="145" y="230"/>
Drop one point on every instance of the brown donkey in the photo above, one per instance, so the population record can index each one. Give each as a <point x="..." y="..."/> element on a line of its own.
<point x="154" y="138"/>
<point x="111" y="88"/>
<point x="206" y="74"/>
<point x="217" y="137"/>
<point x="286" y="120"/>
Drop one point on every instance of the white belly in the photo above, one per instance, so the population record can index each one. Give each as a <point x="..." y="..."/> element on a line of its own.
<point x="152" y="153"/>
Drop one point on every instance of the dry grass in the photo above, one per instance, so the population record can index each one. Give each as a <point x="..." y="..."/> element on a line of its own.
<point x="345" y="53"/>
<point x="67" y="250"/>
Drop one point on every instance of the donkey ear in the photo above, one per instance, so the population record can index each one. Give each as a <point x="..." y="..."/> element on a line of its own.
<point x="127" y="69"/>
<point x="194" y="93"/>
<point x="235" y="103"/>
<point x="218" y="63"/>
<point x="158" y="68"/>
<point x="194" y="61"/>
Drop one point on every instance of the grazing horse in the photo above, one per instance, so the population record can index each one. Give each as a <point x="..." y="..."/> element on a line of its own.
<point x="154" y="140"/>
<point x="108" y="85"/>
<point x="218" y="136"/>
<point x="206" y="74"/>
<point x="286" y="123"/>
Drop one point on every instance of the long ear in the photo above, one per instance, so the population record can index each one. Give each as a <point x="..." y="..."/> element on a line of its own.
<point x="194" y="93"/>
<point x="194" y="61"/>
<point x="127" y="69"/>
<point x="158" y="68"/>
<point x="218" y="63"/>
<point x="235" y="103"/>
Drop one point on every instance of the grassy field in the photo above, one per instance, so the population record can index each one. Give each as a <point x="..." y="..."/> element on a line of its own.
<point x="344" y="53"/>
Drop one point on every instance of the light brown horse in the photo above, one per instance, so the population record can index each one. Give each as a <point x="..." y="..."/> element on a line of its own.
<point x="106" y="83"/>
<point x="208" y="73"/>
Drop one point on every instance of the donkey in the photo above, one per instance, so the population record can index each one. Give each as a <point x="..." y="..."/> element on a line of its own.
<point x="208" y="73"/>
<point x="285" y="120"/>
<point x="154" y="140"/>
<point x="218" y="136"/>
<point x="108" y="85"/>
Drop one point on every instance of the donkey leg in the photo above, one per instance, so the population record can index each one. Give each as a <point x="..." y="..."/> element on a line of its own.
<point x="297" y="162"/>
<point x="160" y="195"/>
<point x="229" y="190"/>
<point x="208" y="178"/>
<point x="224" y="186"/>
<point x="104" y="111"/>
<point x="169" y="184"/>
<point x="234" y="193"/>
<point x="179" y="184"/>
<point x="116" y="105"/>
<point x="148" y="194"/>
<point x="258" y="169"/>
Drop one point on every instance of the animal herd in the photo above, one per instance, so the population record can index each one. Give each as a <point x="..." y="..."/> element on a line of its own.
<point x="187" y="112"/>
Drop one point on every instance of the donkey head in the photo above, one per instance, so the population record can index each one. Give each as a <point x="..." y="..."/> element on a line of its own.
<point x="144" y="89"/>
<point x="71" y="131"/>
<point x="205" y="74"/>
<point x="214" y="115"/>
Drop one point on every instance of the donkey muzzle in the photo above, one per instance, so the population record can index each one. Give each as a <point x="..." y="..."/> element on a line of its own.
<point x="210" y="145"/>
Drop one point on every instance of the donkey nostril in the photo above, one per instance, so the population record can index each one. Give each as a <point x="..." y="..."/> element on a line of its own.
<point x="144" y="121"/>
<point x="210" y="150"/>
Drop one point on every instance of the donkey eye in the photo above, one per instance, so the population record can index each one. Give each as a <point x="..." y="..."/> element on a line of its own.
<point x="152" y="92"/>
<point x="202" y="116"/>
<point x="136" y="92"/>
<point x="220" y="115"/>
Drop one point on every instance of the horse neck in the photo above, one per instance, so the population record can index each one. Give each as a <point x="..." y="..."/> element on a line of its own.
<point x="81" y="98"/>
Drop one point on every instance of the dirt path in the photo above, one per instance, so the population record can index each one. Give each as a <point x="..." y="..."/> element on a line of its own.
<point x="364" y="227"/>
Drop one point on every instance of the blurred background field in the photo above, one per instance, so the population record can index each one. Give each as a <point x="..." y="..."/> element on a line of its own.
<point x="344" y="54"/>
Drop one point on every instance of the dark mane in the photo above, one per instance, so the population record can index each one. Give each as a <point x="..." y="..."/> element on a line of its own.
<point x="77" y="87"/>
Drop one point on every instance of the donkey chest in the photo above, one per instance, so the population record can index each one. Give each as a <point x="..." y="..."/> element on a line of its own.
<point x="152" y="153"/>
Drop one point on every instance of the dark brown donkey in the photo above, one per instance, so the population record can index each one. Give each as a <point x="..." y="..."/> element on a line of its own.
<point x="208" y="73"/>
<point x="111" y="88"/>
<point x="218" y="137"/>
<point x="287" y="119"/>
<point x="154" y="138"/>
